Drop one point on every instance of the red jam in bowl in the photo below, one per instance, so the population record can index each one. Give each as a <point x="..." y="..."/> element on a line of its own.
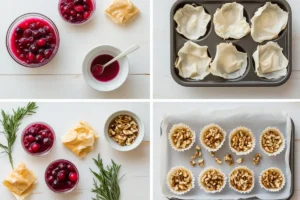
<point x="61" y="176"/>
<point x="110" y="71"/>
<point x="76" y="11"/>
<point x="38" y="138"/>
<point x="33" y="41"/>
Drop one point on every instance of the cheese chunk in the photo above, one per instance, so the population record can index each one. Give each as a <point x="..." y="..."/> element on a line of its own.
<point x="80" y="140"/>
<point x="120" y="11"/>
<point x="21" y="182"/>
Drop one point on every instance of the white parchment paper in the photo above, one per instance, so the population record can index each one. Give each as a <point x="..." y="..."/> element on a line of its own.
<point x="255" y="119"/>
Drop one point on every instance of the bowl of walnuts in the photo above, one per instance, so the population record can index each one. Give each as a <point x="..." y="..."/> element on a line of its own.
<point x="124" y="130"/>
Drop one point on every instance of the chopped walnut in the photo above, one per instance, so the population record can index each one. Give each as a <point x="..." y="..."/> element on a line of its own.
<point x="230" y="163"/>
<point x="196" y="155"/>
<point x="201" y="162"/>
<point x="198" y="148"/>
<point x="124" y="130"/>
<point x="239" y="160"/>
<point x="192" y="163"/>
<point x="257" y="158"/>
<point x="180" y="180"/>
<point x="212" y="153"/>
<point x="272" y="179"/>
<point x="271" y="140"/>
<point x="241" y="139"/>
<point x="228" y="159"/>
<point x="218" y="160"/>
<point x="182" y="137"/>
<point x="241" y="179"/>
<point x="213" y="137"/>
<point x="212" y="180"/>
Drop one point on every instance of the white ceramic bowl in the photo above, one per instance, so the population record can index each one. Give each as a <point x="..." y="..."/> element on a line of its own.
<point x="110" y="85"/>
<point x="137" y="141"/>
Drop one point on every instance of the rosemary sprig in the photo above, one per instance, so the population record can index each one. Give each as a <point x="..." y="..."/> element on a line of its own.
<point x="11" y="123"/>
<point x="107" y="187"/>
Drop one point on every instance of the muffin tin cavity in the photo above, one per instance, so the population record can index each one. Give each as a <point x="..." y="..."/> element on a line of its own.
<point x="245" y="44"/>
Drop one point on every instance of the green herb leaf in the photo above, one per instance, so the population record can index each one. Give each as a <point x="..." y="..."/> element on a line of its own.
<point x="106" y="184"/>
<point x="11" y="123"/>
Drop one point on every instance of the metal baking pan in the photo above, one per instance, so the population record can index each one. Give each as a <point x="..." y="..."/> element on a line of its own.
<point x="245" y="44"/>
<point x="292" y="158"/>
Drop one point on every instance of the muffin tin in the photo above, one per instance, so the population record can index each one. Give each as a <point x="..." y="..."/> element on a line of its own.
<point x="245" y="44"/>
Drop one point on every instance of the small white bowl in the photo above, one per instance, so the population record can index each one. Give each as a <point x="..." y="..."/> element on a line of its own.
<point x="137" y="141"/>
<point x="109" y="85"/>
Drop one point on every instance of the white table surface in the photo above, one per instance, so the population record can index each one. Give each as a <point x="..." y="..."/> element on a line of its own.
<point x="62" y="117"/>
<point x="161" y="109"/>
<point x="166" y="88"/>
<point x="62" y="77"/>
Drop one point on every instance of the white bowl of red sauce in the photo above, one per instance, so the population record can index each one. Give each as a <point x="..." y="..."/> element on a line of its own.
<point x="113" y="76"/>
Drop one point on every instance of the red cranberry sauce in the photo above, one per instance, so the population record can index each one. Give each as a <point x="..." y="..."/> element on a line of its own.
<point x="76" y="11"/>
<point x="110" y="72"/>
<point x="61" y="176"/>
<point x="38" y="139"/>
<point x="33" y="41"/>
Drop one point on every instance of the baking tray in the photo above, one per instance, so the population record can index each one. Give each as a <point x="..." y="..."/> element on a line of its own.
<point x="245" y="44"/>
<point x="291" y="161"/>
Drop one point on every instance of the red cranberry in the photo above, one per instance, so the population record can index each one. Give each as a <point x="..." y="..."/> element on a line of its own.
<point x="33" y="48"/>
<point x="42" y="32"/>
<point x="61" y="175"/>
<point x="35" y="34"/>
<point x="23" y="41"/>
<point x="72" y="13"/>
<point x="79" y="17"/>
<point x="55" y="184"/>
<point x="70" y="167"/>
<point x="35" y="147"/>
<point x="78" y="2"/>
<point x="47" y="29"/>
<point x="47" y="141"/>
<point x="86" y="15"/>
<point x="37" y="24"/>
<point x="31" y="40"/>
<point x="41" y="42"/>
<point x="22" y="56"/>
<point x="73" y="176"/>
<point x="51" y="136"/>
<point x="49" y="39"/>
<point x="33" y="26"/>
<point x="66" y="10"/>
<point x="51" y="179"/>
<point x="30" y="138"/>
<point x="26" y="144"/>
<point x="31" y="57"/>
<point x="19" y="31"/>
<point x="39" y="58"/>
<point x="69" y="183"/>
<point x="38" y="138"/>
<point x="47" y="53"/>
<point x="62" y="166"/>
<point x="54" y="172"/>
<point x="44" y="133"/>
<point x="86" y="7"/>
<point x="79" y="9"/>
<point x="41" y="51"/>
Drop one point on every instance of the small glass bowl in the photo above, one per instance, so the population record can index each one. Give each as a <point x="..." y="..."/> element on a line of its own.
<point x="41" y="153"/>
<point x="80" y="23"/>
<point x="11" y="29"/>
<point x="62" y="191"/>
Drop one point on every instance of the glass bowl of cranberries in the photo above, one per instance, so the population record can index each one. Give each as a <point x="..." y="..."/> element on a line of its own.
<point x="76" y="11"/>
<point x="38" y="139"/>
<point x="61" y="176"/>
<point x="32" y="40"/>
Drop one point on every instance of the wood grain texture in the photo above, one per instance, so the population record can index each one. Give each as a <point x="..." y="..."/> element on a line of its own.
<point x="163" y="109"/>
<point x="166" y="88"/>
<point x="75" y="43"/>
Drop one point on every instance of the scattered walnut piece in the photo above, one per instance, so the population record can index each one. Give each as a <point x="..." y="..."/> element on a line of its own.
<point x="212" y="153"/>
<point x="241" y="139"/>
<point x="241" y="179"/>
<point x="271" y="140"/>
<point x="257" y="158"/>
<point x="196" y="155"/>
<point x="192" y="163"/>
<point x="181" y="180"/>
<point x="218" y="160"/>
<point x="239" y="160"/>
<point x="201" y="162"/>
<point x="198" y="148"/>
<point x="124" y="130"/>
<point x="272" y="179"/>
<point x="213" y="137"/>
<point x="182" y="137"/>
<point x="228" y="159"/>
<point x="212" y="180"/>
